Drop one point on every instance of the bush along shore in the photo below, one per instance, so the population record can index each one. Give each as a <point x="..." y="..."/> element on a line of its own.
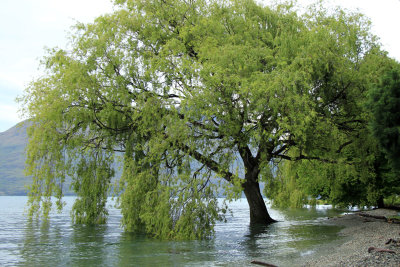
<point x="370" y="238"/>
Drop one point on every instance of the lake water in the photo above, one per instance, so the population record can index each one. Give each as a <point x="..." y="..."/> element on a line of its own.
<point x="301" y="232"/>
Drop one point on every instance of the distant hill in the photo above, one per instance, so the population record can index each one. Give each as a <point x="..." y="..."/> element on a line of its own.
<point x="13" y="181"/>
<point x="12" y="160"/>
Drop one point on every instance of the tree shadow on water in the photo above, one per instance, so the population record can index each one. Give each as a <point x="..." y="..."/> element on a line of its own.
<point x="257" y="230"/>
<point x="39" y="244"/>
<point x="261" y="242"/>
<point x="252" y="242"/>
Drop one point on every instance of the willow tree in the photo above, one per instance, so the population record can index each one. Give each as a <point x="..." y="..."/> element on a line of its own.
<point x="190" y="93"/>
<point x="356" y="173"/>
<point x="384" y="102"/>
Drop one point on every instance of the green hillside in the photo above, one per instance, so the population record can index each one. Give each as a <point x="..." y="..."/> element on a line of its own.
<point x="12" y="160"/>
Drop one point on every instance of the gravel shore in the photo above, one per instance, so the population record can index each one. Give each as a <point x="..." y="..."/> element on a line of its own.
<point x="363" y="237"/>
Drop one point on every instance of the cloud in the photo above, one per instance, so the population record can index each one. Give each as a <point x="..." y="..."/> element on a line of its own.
<point x="26" y="28"/>
<point x="9" y="90"/>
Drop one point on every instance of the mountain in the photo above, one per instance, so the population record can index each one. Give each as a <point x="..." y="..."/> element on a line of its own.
<point x="12" y="160"/>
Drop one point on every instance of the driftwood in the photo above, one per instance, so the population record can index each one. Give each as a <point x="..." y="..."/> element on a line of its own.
<point x="380" y="250"/>
<point x="372" y="216"/>
<point x="391" y="240"/>
<point x="263" y="264"/>
<point x="392" y="220"/>
<point x="389" y="220"/>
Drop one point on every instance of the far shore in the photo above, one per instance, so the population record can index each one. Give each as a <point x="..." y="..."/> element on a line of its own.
<point x="368" y="240"/>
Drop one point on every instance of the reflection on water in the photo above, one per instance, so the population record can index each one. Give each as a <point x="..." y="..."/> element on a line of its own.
<point x="298" y="233"/>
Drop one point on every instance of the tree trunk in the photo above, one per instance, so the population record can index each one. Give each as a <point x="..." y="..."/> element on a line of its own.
<point x="380" y="203"/>
<point x="258" y="210"/>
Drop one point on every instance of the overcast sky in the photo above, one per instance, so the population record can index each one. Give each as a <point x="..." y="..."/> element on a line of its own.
<point x="28" y="26"/>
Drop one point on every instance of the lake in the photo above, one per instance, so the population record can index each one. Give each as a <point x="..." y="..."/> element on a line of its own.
<point x="300" y="233"/>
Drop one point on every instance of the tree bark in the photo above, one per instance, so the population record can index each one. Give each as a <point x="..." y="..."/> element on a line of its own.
<point x="258" y="210"/>
<point x="251" y="188"/>
<point x="380" y="203"/>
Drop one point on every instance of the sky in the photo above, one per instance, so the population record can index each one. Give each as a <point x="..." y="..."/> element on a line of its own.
<point x="27" y="27"/>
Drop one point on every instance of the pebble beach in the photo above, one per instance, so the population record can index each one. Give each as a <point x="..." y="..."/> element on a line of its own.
<point x="366" y="241"/>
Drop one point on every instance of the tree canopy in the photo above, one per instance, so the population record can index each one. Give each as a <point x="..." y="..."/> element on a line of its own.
<point x="191" y="96"/>
<point x="384" y="103"/>
<point x="364" y="171"/>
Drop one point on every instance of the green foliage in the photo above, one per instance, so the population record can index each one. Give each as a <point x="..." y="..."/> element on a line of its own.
<point x="91" y="182"/>
<point x="190" y="92"/>
<point x="384" y="102"/>
<point x="356" y="172"/>
<point x="359" y="175"/>
<point x="351" y="178"/>
<point x="165" y="205"/>
<point x="284" y="189"/>
<point x="393" y="200"/>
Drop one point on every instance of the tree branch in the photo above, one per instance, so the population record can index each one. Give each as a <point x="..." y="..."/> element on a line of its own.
<point x="211" y="164"/>
<point x="301" y="157"/>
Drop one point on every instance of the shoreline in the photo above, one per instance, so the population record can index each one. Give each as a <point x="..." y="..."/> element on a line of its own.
<point x="359" y="235"/>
